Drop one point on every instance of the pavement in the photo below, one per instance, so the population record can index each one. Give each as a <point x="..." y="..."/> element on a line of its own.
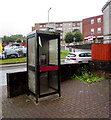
<point x="24" y="64"/>
<point x="12" y="65"/>
<point x="78" y="100"/>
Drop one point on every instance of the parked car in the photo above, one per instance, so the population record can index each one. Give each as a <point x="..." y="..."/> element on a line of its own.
<point x="15" y="51"/>
<point x="11" y="53"/>
<point x="78" y="57"/>
<point x="21" y="50"/>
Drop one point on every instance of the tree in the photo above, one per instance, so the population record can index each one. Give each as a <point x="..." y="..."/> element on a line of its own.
<point x="69" y="37"/>
<point x="7" y="39"/>
<point x="13" y="38"/>
<point x="18" y="40"/>
<point x="77" y="35"/>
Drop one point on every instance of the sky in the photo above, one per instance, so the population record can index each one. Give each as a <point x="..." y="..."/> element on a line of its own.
<point x="18" y="16"/>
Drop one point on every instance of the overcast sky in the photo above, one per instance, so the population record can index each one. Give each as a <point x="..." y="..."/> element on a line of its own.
<point x="18" y="16"/>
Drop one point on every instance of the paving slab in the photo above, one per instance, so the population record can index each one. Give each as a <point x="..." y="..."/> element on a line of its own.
<point x="79" y="100"/>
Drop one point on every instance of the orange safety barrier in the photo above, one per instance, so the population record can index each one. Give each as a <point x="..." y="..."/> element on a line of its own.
<point x="101" y="52"/>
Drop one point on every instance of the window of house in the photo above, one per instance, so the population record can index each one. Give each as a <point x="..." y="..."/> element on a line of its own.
<point x="78" y="28"/>
<point x="74" y="24"/>
<point x="99" y="20"/>
<point x="59" y="29"/>
<point x="42" y="25"/>
<point x="92" y="31"/>
<point x="92" y="21"/>
<point x="78" y="24"/>
<point x="99" y="30"/>
<point x="57" y="25"/>
<point x="51" y="24"/>
<point x="61" y="25"/>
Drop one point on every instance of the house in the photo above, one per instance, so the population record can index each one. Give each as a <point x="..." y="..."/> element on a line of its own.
<point x="64" y="27"/>
<point x="92" y="29"/>
<point x="107" y="21"/>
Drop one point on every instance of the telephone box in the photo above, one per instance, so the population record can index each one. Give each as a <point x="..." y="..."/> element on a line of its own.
<point x="43" y="63"/>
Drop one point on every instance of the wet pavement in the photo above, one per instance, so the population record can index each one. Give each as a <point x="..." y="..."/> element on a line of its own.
<point x="79" y="100"/>
<point x="10" y="69"/>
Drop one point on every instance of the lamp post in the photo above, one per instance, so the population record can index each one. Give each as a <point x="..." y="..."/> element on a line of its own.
<point x="74" y="38"/>
<point x="48" y="16"/>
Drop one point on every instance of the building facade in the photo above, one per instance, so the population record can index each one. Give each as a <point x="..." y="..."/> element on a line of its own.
<point x="64" y="27"/>
<point x="107" y="21"/>
<point x="92" y="29"/>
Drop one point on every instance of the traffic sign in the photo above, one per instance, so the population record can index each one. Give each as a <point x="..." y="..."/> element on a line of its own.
<point x="74" y="38"/>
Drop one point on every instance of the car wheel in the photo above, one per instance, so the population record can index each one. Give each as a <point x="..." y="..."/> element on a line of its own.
<point x="17" y="55"/>
<point x="24" y="55"/>
<point x="9" y="56"/>
<point x="12" y="56"/>
<point x="20" y="55"/>
<point x="3" y="57"/>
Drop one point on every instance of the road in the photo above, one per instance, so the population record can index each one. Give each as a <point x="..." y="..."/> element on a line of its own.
<point x="9" y="69"/>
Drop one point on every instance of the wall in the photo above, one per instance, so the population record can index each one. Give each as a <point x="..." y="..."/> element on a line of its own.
<point x="101" y="68"/>
<point x="17" y="83"/>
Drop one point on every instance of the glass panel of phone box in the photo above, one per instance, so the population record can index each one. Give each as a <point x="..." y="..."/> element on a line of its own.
<point x="48" y="58"/>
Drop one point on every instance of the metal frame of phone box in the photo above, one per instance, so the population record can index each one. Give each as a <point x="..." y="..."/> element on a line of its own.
<point x="37" y="69"/>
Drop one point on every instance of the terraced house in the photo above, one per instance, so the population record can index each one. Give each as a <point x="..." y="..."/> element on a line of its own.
<point x="92" y="29"/>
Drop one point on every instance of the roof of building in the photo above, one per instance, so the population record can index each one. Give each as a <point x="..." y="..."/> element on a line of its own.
<point x="58" y="22"/>
<point x="107" y="3"/>
<point x="93" y="17"/>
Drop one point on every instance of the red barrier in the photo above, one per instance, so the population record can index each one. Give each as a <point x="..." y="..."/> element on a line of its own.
<point x="51" y="68"/>
<point x="101" y="52"/>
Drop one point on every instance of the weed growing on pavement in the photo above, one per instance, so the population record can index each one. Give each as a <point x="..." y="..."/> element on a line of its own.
<point x="84" y="74"/>
<point x="87" y="77"/>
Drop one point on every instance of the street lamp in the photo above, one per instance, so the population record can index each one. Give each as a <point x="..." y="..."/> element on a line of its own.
<point x="48" y="16"/>
<point x="74" y="38"/>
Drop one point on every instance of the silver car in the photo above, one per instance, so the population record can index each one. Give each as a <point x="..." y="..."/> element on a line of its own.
<point x="78" y="57"/>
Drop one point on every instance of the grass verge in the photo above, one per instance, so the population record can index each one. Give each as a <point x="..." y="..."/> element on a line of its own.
<point x="64" y="53"/>
<point x="13" y="60"/>
<point x="23" y="59"/>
